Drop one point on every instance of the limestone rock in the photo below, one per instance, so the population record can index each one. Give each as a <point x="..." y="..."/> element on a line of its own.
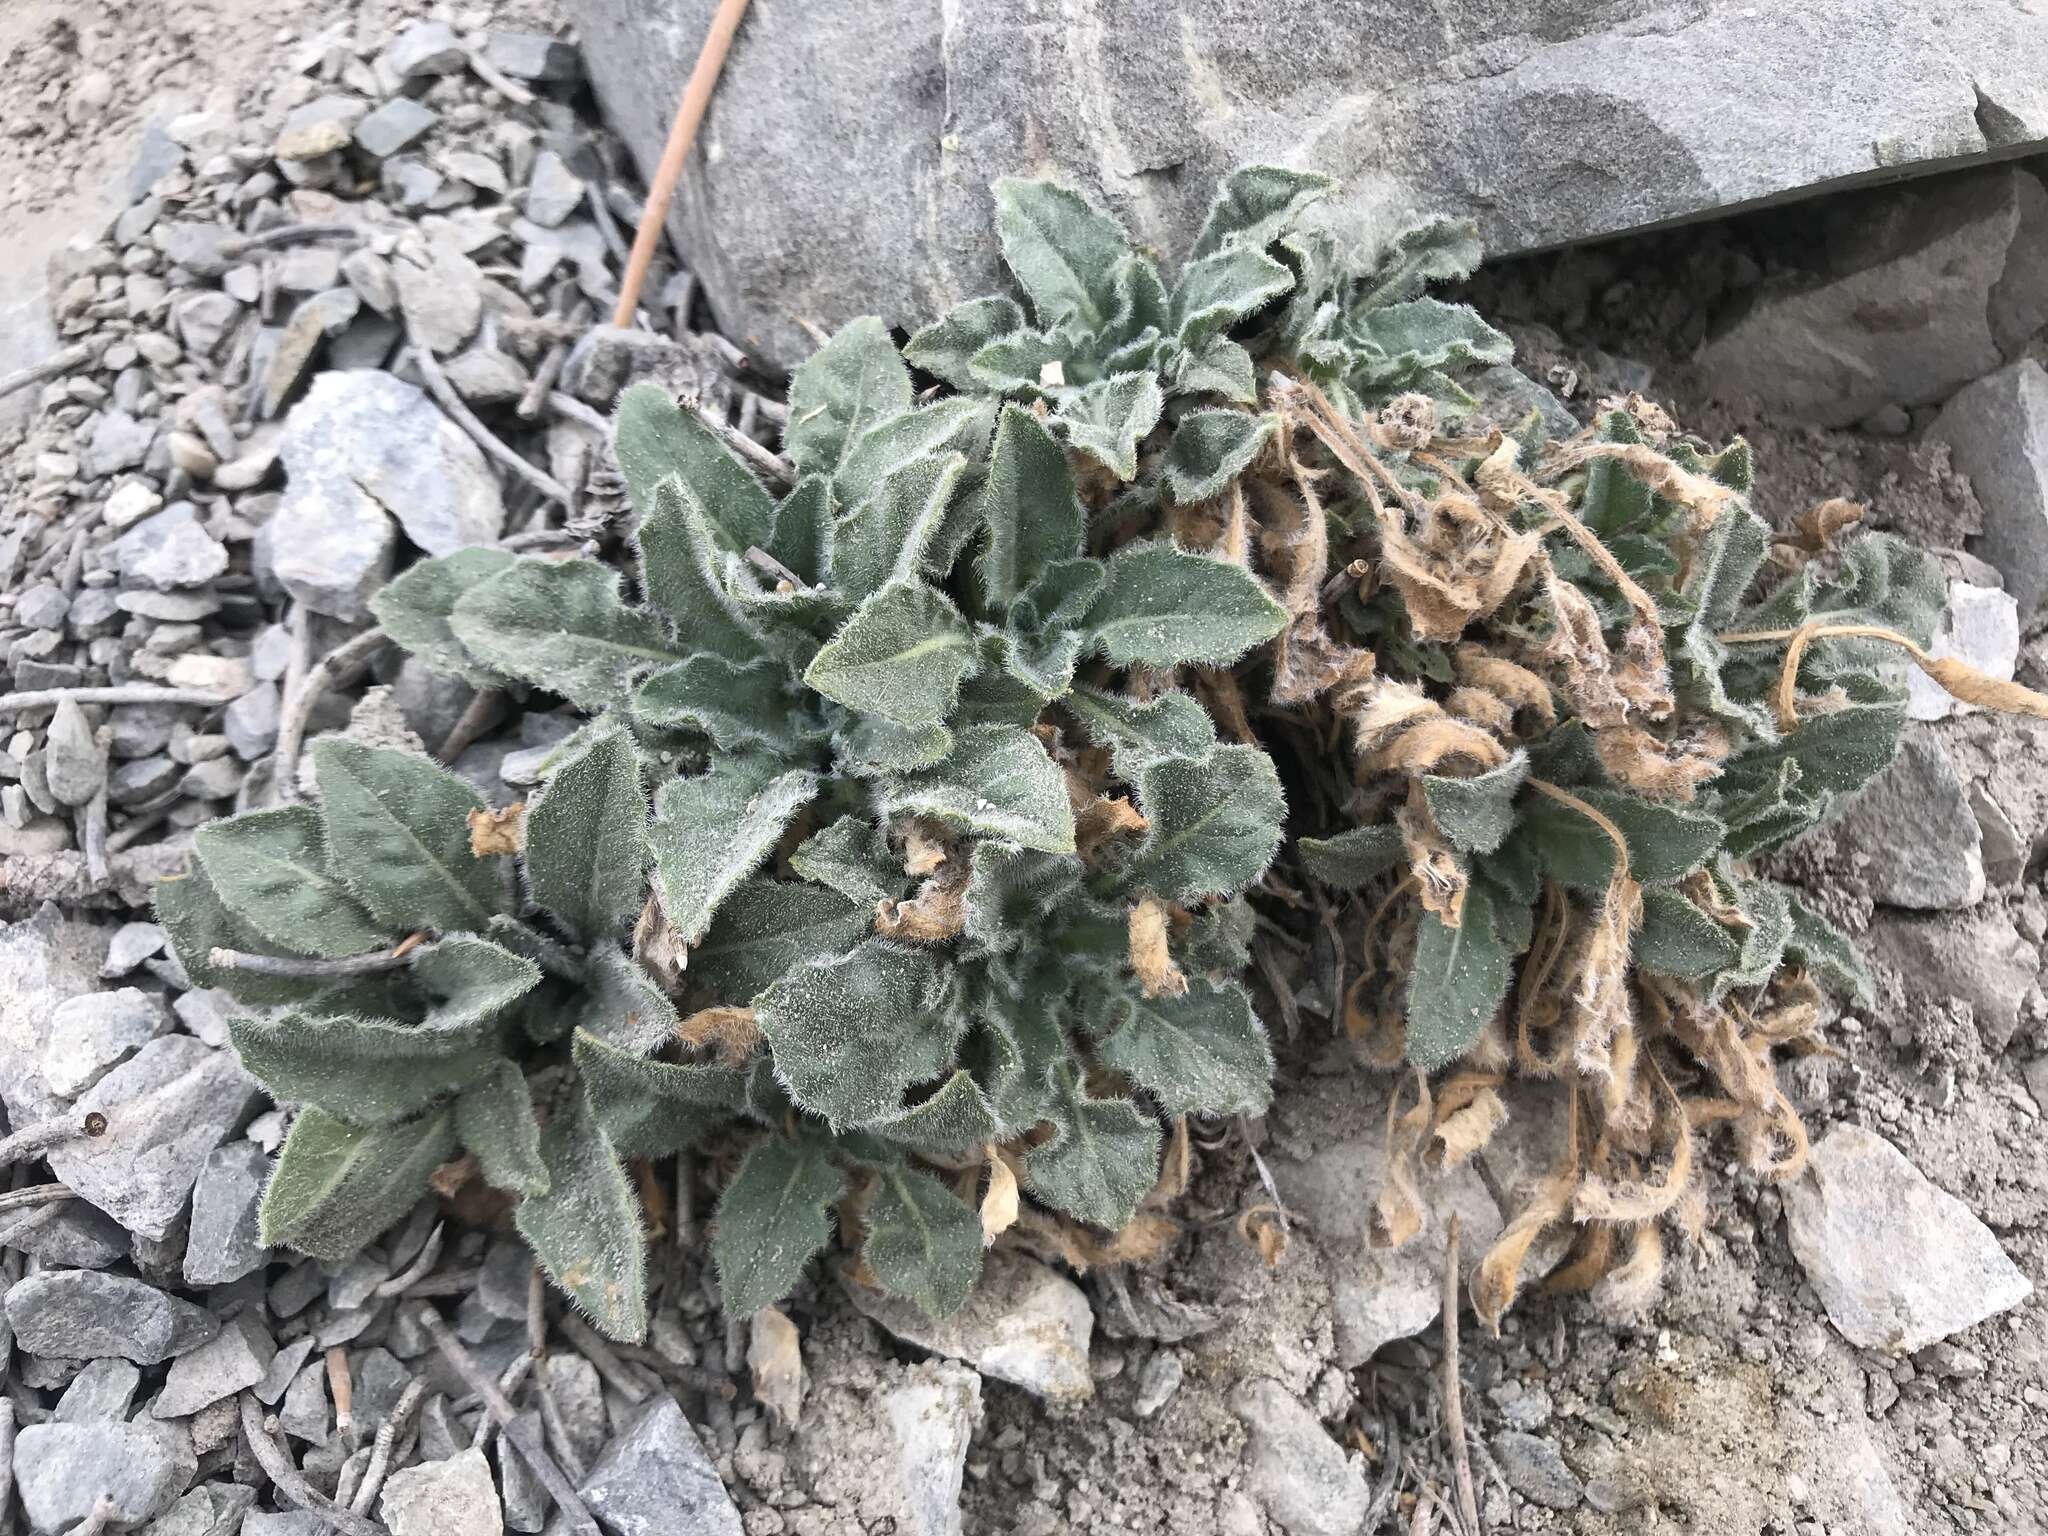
<point x="455" y="1497"/>
<point x="1025" y="1324"/>
<point x="1997" y="432"/>
<point x="655" y="1478"/>
<point x="1484" y="107"/>
<point x="932" y="1417"/>
<point x="62" y="1470"/>
<point x="1909" y="837"/>
<point x="45" y="960"/>
<point x="1295" y="1470"/>
<point x="1981" y="625"/>
<point x="81" y="1314"/>
<point x="1898" y="1263"/>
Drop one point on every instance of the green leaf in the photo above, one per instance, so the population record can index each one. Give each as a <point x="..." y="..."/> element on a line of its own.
<point x="961" y="425"/>
<point x="1428" y="333"/>
<point x="1665" y="841"/>
<point x="562" y="626"/>
<point x="1167" y="607"/>
<point x="1476" y="814"/>
<point x="656" y="439"/>
<point x="1218" y="367"/>
<point x="1255" y="205"/>
<point x="414" y="608"/>
<point x="711" y="832"/>
<point x="1220" y="289"/>
<point x="652" y="1108"/>
<point x="1109" y="418"/>
<point x="924" y="1241"/>
<point x="946" y="347"/>
<point x="852" y="382"/>
<point x="1103" y="1158"/>
<point x="270" y="869"/>
<point x="803" y="529"/>
<point x="902" y="656"/>
<point x="338" y="1186"/>
<point x="1029" y="508"/>
<point x="198" y="922"/>
<point x="954" y="1122"/>
<point x="852" y="857"/>
<point x="1210" y="449"/>
<point x="623" y="1005"/>
<point x="1062" y="251"/>
<point x="871" y="746"/>
<point x="1678" y="939"/>
<point x="1170" y="725"/>
<point x="1353" y="859"/>
<point x="774" y="1216"/>
<point x="889" y="533"/>
<point x="1828" y="953"/>
<point x="494" y="1120"/>
<point x="1434" y="250"/>
<point x="1041" y="664"/>
<point x="586" y="838"/>
<point x="998" y="782"/>
<point x="369" y="1071"/>
<point x="680" y="573"/>
<point x="1215" y="824"/>
<point x="397" y="828"/>
<point x="851" y="1035"/>
<point x="1058" y="600"/>
<point x="1202" y="1053"/>
<point x="1459" y="979"/>
<point x="766" y="928"/>
<point x="1768" y="907"/>
<point x="585" y="1229"/>
<point x="739" y="706"/>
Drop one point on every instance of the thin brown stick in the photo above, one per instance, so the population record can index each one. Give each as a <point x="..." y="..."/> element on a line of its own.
<point x="298" y="966"/>
<point x="520" y="1434"/>
<point x="459" y="412"/>
<point x="1453" y="1384"/>
<point x="769" y="462"/>
<point x="536" y="1312"/>
<point x="601" y="1356"/>
<point x="124" y="693"/>
<point x="430" y="1252"/>
<point x="478" y="716"/>
<point x="291" y="1486"/>
<point x="33" y="1140"/>
<point x="1957" y="676"/>
<point x="342" y="1388"/>
<point x="556" y="1428"/>
<point x="291" y="730"/>
<point x="681" y="135"/>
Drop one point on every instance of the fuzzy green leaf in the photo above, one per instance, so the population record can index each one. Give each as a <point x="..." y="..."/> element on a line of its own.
<point x="1354" y="858"/>
<point x="924" y="1241"/>
<point x="960" y="425"/>
<point x="1768" y="906"/>
<point x="1062" y="251"/>
<point x="766" y="928"/>
<point x="338" y="1186"/>
<point x="902" y="656"/>
<point x="1255" y="205"/>
<point x="494" y="1121"/>
<point x="368" y="1071"/>
<point x="1109" y="418"/>
<point x="1167" y="607"/>
<point x="586" y="838"/>
<point x="1665" y="841"/>
<point x="1828" y="953"/>
<point x="953" y="1122"/>
<point x="1678" y="939"/>
<point x="656" y="439"/>
<point x="198" y="922"/>
<point x="947" y="347"/>
<point x="803" y="529"/>
<point x="889" y="532"/>
<point x="1210" y="449"/>
<point x="1215" y="824"/>
<point x="270" y="869"/>
<point x="623" y="1005"/>
<point x="1428" y="333"/>
<point x="1028" y="507"/>
<point x="1170" y="725"/>
<point x="397" y="829"/>
<point x="655" y="1108"/>
<point x="852" y="857"/>
<point x="1218" y="367"/>
<point x="1103" y="1158"/>
<point x="1220" y="289"/>
<point x="680" y="571"/>
<point x="850" y="1035"/>
<point x="739" y="706"/>
<point x="585" y="1229"/>
<point x="1434" y="250"/>
<point x="562" y="626"/>
<point x="998" y="782"/>
<point x="848" y="385"/>
<point x="415" y="606"/>
<point x="711" y="832"/>
<point x="774" y="1216"/>
<point x="1459" y="978"/>
<point x="1476" y="814"/>
<point x="1201" y="1053"/>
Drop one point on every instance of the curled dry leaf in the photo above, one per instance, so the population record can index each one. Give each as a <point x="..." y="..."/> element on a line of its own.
<point x="733" y="1031"/>
<point x="495" y="832"/>
<point x="999" y="1206"/>
<point x="775" y="1359"/>
<point x="1158" y="973"/>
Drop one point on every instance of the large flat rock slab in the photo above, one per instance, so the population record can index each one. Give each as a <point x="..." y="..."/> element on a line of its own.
<point x="845" y="164"/>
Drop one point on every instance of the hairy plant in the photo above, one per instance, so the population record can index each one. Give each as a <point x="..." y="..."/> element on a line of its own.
<point x="865" y="861"/>
<point x="1582" y="687"/>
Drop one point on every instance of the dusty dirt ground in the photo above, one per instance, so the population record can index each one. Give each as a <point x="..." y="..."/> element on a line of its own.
<point x="1733" y="1407"/>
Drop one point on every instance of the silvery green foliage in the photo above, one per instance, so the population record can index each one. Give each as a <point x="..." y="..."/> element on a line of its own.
<point x="1125" y="362"/>
<point x="920" y="643"/>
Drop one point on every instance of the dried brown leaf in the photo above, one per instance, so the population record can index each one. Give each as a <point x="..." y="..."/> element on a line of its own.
<point x="1158" y="973"/>
<point x="495" y="832"/>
